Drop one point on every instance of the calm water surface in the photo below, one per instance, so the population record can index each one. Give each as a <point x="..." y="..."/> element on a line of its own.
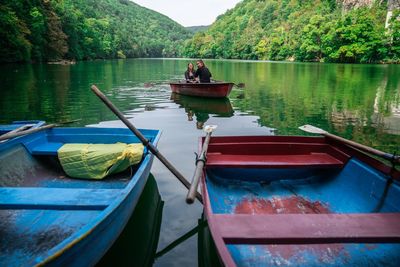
<point x="359" y="102"/>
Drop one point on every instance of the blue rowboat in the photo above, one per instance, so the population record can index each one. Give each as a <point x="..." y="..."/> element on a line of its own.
<point x="31" y="124"/>
<point x="300" y="201"/>
<point x="49" y="218"/>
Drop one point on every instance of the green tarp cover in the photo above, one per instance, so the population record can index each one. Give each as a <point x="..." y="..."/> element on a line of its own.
<point x="96" y="161"/>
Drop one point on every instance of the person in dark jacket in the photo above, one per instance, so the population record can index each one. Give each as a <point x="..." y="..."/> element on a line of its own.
<point x="189" y="73"/>
<point x="202" y="72"/>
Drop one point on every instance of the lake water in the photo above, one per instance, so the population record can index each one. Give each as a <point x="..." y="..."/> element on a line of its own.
<point x="358" y="102"/>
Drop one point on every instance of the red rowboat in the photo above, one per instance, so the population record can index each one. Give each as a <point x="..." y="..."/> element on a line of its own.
<point x="300" y="201"/>
<point x="214" y="89"/>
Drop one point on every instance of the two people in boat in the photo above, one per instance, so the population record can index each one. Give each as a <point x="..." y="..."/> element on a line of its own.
<point x="202" y="74"/>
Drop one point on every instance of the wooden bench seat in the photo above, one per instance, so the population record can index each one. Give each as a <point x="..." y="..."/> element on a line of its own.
<point x="321" y="160"/>
<point x="48" y="148"/>
<point x="308" y="228"/>
<point x="56" y="198"/>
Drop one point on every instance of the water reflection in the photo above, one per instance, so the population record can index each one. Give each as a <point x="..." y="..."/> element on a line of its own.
<point x="358" y="102"/>
<point x="202" y="108"/>
<point x="208" y="255"/>
<point x="138" y="242"/>
<point x="207" y="252"/>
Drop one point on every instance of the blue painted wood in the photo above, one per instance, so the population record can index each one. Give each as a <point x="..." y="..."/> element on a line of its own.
<point x="56" y="198"/>
<point x="46" y="148"/>
<point x="49" y="218"/>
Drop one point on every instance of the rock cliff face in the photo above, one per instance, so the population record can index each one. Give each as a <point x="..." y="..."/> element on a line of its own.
<point x="393" y="4"/>
<point x="351" y="4"/>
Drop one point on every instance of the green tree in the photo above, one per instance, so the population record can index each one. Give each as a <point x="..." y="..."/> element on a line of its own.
<point x="301" y="30"/>
<point x="359" y="39"/>
<point x="56" y="44"/>
<point x="14" y="45"/>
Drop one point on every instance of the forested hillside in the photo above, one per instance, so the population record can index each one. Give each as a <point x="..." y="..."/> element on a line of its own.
<point x="48" y="30"/>
<point x="303" y="30"/>
<point x="198" y="28"/>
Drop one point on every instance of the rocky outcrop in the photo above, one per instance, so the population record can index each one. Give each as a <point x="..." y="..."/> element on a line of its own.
<point x="351" y="4"/>
<point x="393" y="4"/>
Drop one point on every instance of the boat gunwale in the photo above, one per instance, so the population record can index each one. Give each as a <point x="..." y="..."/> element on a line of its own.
<point x="201" y="84"/>
<point x="206" y="90"/>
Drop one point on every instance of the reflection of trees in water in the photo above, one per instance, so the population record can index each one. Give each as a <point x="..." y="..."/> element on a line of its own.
<point x="137" y="244"/>
<point x="203" y="108"/>
<point x="339" y="98"/>
<point x="201" y="119"/>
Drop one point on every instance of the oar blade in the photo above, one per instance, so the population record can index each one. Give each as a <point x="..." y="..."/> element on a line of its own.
<point x="312" y="129"/>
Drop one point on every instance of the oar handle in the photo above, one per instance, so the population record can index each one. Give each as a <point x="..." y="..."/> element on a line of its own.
<point x="143" y="139"/>
<point x="200" y="162"/>
<point x="364" y="148"/>
<point x="29" y="131"/>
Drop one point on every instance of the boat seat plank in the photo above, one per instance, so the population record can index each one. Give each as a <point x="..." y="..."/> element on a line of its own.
<point x="272" y="148"/>
<point x="49" y="148"/>
<point x="321" y="160"/>
<point x="56" y="198"/>
<point x="309" y="228"/>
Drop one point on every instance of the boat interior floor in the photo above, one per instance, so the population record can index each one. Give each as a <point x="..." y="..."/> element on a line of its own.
<point x="338" y="216"/>
<point x="356" y="188"/>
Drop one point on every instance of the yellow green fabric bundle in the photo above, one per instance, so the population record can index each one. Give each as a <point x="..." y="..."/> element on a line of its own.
<point x="96" y="161"/>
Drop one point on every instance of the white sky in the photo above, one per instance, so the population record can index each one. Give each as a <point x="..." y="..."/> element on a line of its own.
<point x="190" y="12"/>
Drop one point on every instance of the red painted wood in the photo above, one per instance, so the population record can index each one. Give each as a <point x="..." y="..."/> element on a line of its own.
<point x="270" y="148"/>
<point x="308" y="228"/>
<point x="320" y="160"/>
<point x="202" y="89"/>
<point x="377" y="164"/>
<point x="268" y="138"/>
<point x="335" y="149"/>
<point x="223" y="252"/>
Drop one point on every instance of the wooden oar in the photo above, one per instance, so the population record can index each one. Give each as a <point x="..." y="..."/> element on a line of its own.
<point x="143" y="139"/>
<point x="315" y="130"/>
<point x="10" y="135"/>
<point x="239" y="85"/>
<point x="181" y="239"/>
<point x="19" y="129"/>
<point x="200" y="162"/>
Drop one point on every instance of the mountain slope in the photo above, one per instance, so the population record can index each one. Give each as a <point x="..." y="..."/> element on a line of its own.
<point x="198" y="28"/>
<point x="321" y="30"/>
<point x="85" y="29"/>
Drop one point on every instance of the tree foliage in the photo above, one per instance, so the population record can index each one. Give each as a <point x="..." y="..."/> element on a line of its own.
<point x="301" y="30"/>
<point x="47" y="30"/>
<point x="14" y="44"/>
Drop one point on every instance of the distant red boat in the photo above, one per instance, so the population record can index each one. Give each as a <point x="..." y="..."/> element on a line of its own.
<point x="214" y="89"/>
